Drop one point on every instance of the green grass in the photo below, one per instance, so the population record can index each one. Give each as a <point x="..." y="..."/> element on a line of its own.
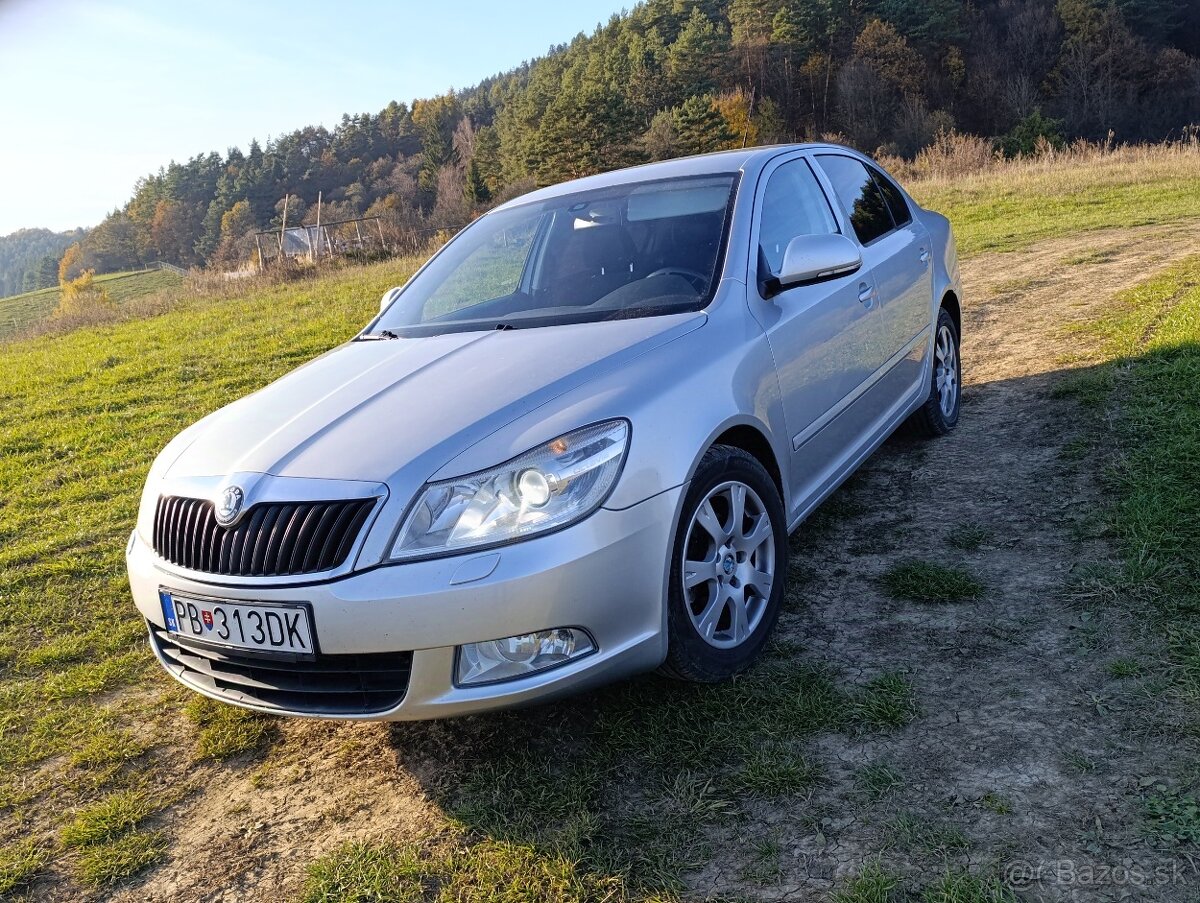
<point x="1172" y="816"/>
<point x="916" y="833"/>
<point x="766" y="862"/>
<point x="108" y="819"/>
<point x="969" y="537"/>
<point x="84" y="414"/>
<point x="1006" y="211"/>
<point x="1158" y="515"/>
<point x="20" y="863"/>
<point x="650" y="767"/>
<point x="888" y="701"/>
<point x="872" y="885"/>
<point x="116" y="860"/>
<point x="227" y="731"/>
<point x="1124" y="668"/>
<point x="109" y="845"/>
<point x="771" y="773"/>
<point x="996" y="803"/>
<point x="925" y="581"/>
<point x="484" y="872"/>
<point x="877" y="780"/>
<point x="1151" y="341"/>
<point x="18" y="312"/>
<point x="963" y="887"/>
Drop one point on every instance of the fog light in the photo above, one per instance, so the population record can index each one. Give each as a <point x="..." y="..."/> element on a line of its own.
<point x="519" y="656"/>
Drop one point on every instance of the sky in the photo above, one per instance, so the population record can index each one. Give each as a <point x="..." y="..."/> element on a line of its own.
<point x="95" y="94"/>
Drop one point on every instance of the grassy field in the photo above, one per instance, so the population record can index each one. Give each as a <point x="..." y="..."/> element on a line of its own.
<point x="1149" y="383"/>
<point x="19" y="312"/>
<point x="1012" y="207"/>
<point x="91" y="732"/>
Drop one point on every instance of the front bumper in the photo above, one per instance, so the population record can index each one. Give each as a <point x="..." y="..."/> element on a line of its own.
<point x="607" y="575"/>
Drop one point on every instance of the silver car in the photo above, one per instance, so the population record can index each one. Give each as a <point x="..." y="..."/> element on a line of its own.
<point x="571" y="448"/>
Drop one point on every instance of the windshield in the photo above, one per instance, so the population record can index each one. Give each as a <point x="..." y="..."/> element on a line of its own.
<point x="637" y="250"/>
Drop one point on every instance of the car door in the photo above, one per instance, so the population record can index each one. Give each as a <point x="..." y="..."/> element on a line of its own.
<point x="896" y="248"/>
<point x="824" y="337"/>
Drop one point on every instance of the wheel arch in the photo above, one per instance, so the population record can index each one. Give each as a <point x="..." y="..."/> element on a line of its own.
<point x="753" y="440"/>
<point x="952" y="306"/>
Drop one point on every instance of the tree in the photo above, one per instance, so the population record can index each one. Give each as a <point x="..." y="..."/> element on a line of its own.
<point x="1029" y="133"/>
<point x="47" y="271"/>
<point x="701" y="127"/>
<point x="883" y="73"/>
<point x="927" y="23"/>
<point x="80" y="296"/>
<point x="435" y="121"/>
<point x="169" y="236"/>
<point x="694" y="58"/>
<point x="661" y="140"/>
<point x="237" y="235"/>
<point x="666" y="78"/>
<point x="295" y="211"/>
<point x="475" y="190"/>
<point x="71" y="264"/>
<point x="737" y="109"/>
<point x="1100" y="69"/>
<point x="487" y="159"/>
<point x="751" y="31"/>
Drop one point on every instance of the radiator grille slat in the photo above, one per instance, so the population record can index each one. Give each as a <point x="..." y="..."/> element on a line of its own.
<point x="273" y="539"/>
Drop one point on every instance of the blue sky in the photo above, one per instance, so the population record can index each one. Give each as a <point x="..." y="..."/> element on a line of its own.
<point x="96" y="93"/>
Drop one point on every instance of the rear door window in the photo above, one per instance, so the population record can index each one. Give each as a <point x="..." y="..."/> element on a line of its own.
<point x="897" y="205"/>
<point x="863" y="200"/>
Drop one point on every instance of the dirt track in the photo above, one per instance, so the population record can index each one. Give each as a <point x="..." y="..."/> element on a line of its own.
<point x="1018" y="710"/>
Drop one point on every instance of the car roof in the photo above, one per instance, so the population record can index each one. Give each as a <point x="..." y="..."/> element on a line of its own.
<point x="719" y="163"/>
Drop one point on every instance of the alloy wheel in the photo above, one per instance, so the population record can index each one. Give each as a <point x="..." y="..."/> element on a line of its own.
<point x="946" y="363"/>
<point x="728" y="564"/>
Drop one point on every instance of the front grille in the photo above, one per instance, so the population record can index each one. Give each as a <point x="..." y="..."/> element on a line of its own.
<point x="272" y="539"/>
<point x="324" y="685"/>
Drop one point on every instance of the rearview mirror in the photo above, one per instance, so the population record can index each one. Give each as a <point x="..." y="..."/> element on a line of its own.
<point x="815" y="258"/>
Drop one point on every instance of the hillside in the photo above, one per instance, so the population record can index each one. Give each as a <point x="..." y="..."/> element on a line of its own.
<point x="19" y="312"/>
<point x="884" y="743"/>
<point x="673" y="77"/>
<point x="29" y="258"/>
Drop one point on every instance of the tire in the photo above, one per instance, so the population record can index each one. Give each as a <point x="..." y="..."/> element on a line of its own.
<point x="749" y="551"/>
<point x="939" y="416"/>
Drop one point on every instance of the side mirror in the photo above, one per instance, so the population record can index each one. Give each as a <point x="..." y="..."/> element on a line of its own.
<point x="815" y="258"/>
<point x="388" y="297"/>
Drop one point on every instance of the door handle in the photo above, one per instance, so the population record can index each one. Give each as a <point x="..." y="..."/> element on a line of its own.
<point x="866" y="294"/>
<point x="924" y="255"/>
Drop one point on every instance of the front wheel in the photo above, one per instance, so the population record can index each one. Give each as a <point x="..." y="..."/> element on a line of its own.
<point x="728" y="564"/>
<point x="939" y="415"/>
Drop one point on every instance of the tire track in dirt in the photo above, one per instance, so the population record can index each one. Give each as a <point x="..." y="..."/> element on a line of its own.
<point x="1018" y="711"/>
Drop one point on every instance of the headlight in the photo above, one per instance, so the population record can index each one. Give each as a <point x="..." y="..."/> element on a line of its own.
<point x="548" y="487"/>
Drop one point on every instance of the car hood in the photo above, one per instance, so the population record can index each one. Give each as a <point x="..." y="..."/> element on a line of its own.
<point x="369" y="409"/>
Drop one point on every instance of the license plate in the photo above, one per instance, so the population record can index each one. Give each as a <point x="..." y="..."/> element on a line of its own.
<point x="243" y="625"/>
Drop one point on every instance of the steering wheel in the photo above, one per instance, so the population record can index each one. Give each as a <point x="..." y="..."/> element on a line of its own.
<point x="698" y="281"/>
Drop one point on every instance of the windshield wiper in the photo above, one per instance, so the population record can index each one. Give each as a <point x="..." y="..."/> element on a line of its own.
<point x="378" y="336"/>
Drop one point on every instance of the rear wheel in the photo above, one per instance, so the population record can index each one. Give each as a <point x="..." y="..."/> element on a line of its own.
<point x="939" y="415"/>
<point x="728" y="564"/>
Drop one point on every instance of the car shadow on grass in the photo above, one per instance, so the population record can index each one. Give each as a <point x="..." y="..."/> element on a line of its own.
<point x="631" y="782"/>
